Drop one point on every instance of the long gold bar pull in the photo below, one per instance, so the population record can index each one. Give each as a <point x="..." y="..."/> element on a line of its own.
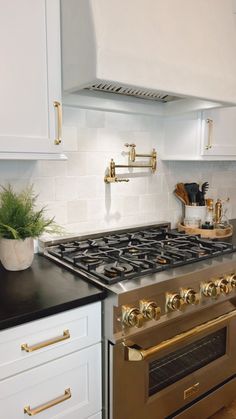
<point x="27" y="348"/>
<point x="48" y="405"/>
<point x="209" y="121"/>
<point x="133" y="353"/>
<point x="58" y="107"/>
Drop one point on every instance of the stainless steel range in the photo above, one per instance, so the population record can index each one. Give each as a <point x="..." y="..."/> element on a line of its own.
<point x="169" y="319"/>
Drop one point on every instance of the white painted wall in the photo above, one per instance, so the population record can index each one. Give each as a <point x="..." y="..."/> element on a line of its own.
<point x="74" y="190"/>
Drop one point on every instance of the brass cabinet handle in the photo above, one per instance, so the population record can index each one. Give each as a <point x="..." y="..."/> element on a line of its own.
<point x="57" y="400"/>
<point x="136" y="354"/>
<point x="209" y="121"/>
<point x="58" y="107"/>
<point x="27" y="348"/>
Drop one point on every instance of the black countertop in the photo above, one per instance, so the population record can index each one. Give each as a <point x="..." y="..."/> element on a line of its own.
<point x="46" y="288"/>
<point x="41" y="290"/>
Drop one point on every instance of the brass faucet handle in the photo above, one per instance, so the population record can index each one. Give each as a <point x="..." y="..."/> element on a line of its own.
<point x="112" y="179"/>
<point x="132" y="151"/>
<point x="154" y="160"/>
<point x="121" y="180"/>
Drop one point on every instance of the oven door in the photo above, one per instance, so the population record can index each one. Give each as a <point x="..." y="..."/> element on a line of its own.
<point x="159" y="376"/>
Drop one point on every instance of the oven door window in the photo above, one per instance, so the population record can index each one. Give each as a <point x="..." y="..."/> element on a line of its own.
<point x="178" y="364"/>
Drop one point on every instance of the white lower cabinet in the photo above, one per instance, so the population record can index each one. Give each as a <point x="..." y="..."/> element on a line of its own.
<point x="75" y="378"/>
<point x="67" y="386"/>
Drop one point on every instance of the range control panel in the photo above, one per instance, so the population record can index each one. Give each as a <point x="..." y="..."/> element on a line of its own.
<point x="176" y="300"/>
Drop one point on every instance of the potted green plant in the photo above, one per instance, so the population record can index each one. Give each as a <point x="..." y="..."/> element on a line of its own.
<point x="20" y="223"/>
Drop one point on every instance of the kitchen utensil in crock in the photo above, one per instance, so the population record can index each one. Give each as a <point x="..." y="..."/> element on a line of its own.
<point x="182" y="191"/>
<point x="179" y="196"/>
<point x="192" y="190"/>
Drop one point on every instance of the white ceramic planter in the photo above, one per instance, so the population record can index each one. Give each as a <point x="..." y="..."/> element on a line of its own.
<point x="16" y="255"/>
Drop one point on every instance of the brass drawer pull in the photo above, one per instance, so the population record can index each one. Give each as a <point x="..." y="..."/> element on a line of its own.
<point x="136" y="354"/>
<point x="58" y="107"/>
<point x="210" y="129"/>
<point x="57" y="400"/>
<point x="27" y="348"/>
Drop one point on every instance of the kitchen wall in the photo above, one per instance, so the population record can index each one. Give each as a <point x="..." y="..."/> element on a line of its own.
<point x="75" y="193"/>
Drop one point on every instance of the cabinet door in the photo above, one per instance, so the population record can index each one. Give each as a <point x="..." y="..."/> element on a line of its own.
<point x="74" y="381"/>
<point x="219" y="133"/>
<point x="29" y="76"/>
<point x="182" y="137"/>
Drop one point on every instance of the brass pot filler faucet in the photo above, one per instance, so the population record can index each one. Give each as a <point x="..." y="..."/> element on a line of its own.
<point x="111" y="176"/>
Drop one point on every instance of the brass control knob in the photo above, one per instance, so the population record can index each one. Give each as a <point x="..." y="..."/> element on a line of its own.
<point x="150" y="310"/>
<point x="174" y="301"/>
<point x="223" y="285"/>
<point x="231" y="280"/>
<point x="190" y="296"/>
<point x="132" y="317"/>
<point x="210" y="289"/>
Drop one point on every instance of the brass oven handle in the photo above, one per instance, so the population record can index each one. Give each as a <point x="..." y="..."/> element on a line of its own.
<point x="58" y="107"/>
<point x="209" y="121"/>
<point x="57" y="400"/>
<point x="135" y="354"/>
<point x="27" y="348"/>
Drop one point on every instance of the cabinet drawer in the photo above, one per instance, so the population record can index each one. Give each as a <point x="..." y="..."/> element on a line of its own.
<point x="76" y="378"/>
<point x="48" y="338"/>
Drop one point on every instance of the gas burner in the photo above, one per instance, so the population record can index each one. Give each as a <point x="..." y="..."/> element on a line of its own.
<point x="90" y="259"/>
<point x="116" y="257"/>
<point x="162" y="260"/>
<point x="132" y="250"/>
<point x="115" y="269"/>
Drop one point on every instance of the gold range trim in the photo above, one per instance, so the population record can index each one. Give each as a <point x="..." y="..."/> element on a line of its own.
<point x="138" y="354"/>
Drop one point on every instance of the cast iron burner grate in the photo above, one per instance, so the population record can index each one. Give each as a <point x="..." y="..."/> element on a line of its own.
<point x="116" y="257"/>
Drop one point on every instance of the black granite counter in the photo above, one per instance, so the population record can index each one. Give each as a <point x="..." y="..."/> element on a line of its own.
<point x="41" y="290"/>
<point x="46" y="288"/>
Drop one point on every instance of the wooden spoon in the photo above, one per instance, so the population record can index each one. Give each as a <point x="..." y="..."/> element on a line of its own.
<point x="182" y="192"/>
<point x="179" y="196"/>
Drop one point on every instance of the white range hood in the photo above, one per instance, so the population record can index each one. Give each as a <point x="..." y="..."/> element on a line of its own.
<point x="159" y="50"/>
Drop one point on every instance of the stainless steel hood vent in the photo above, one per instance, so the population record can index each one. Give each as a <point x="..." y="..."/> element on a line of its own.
<point x="129" y="91"/>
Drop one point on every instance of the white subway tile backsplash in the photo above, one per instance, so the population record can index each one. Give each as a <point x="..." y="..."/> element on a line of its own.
<point x="89" y="187"/>
<point x="77" y="211"/>
<point x="45" y="188"/>
<point x="87" y="140"/>
<point x="65" y="188"/>
<point x="74" y="117"/>
<point x="70" y="136"/>
<point x="74" y="190"/>
<point x="51" y="168"/>
<point x="95" y="119"/>
<point x="76" y="165"/>
<point x="131" y="204"/>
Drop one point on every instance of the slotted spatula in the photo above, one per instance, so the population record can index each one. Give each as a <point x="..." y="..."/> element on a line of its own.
<point x="192" y="190"/>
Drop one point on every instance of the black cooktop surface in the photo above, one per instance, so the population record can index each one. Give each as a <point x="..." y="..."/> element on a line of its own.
<point x="113" y="258"/>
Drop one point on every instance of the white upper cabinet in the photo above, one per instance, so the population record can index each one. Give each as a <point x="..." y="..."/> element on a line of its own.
<point x="208" y="135"/>
<point x="30" y="79"/>
<point x="219" y="133"/>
